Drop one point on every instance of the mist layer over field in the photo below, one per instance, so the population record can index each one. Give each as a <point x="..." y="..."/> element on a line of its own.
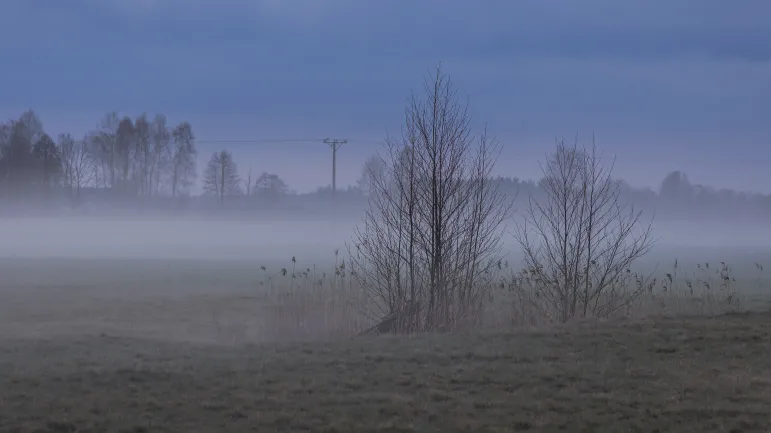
<point x="204" y="239"/>
<point x="239" y="239"/>
<point x="263" y="240"/>
<point x="116" y="301"/>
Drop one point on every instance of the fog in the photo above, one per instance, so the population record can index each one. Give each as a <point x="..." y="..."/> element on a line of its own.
<point x="311" y="241"/>
<point x="727" y="233"/>
<point x="166" y="238"/>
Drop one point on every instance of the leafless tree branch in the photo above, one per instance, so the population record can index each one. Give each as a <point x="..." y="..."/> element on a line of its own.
<point x="430" y="240"/>
<point x="580" y="240"/>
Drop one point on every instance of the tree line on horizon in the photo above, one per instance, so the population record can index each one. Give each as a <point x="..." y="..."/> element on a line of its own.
<point x="145" y="158"/>
<point x="130" y="157"/>
<point x="127" y="158"/>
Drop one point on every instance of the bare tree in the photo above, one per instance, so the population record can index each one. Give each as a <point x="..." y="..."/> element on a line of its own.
<point x="373" y="166"/>
<point x="221" y="176"/>
<point x="77" y="165"/>
<point x="21" y="167"/>
<point x="182" y="171"/>
<point x="66" y="146"/>
<point x="159" y="154"/>
<point x="270" y="186"/>
<point x="32" y="126"/>
<point x="102" y="146"/>
<point x="430" y="238"/>
<point x="140" y="155"/>
<point x="6" y="131"/>
<point x="126" y="138"/>
<point x="579" y="240"/>
<point x="48" y="163"/>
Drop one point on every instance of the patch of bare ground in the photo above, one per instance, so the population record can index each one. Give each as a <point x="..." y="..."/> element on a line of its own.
<point x="674" y="374"/>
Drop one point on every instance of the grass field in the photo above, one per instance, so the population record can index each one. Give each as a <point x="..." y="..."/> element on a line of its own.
<point x="135" y="346"/>
<point x="696" y="375"/>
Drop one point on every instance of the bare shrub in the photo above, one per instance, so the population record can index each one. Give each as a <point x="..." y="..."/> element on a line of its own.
<point x="430" y="240"/>
<point x="579" y="240"/>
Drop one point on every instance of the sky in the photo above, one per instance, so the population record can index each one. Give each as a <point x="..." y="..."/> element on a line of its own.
<point x="662" y="84"/>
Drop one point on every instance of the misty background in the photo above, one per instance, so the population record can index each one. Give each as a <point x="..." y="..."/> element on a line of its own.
<point x="677" y="92"/>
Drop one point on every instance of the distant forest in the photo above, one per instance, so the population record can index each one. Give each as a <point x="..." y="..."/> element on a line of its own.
<point x="145" y="164"/>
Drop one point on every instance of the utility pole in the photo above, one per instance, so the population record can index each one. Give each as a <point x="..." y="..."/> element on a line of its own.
<point x="334" y="144"/>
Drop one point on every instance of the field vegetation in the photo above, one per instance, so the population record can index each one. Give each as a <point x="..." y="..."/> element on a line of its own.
<point x="577" y="336"/>
<point x="131" y="346"/>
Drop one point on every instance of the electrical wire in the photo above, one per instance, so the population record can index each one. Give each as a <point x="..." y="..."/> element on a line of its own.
<point x="263" y="141"/>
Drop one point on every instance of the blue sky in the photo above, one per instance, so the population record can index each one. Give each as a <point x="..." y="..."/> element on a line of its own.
<point x="664" y="84"/>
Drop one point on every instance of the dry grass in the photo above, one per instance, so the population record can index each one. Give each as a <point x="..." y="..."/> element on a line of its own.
<point x="297" y="303"/>
<point x="232" y="302"/>
<point x="685" y="375"/>
<point x="171" y="347"/>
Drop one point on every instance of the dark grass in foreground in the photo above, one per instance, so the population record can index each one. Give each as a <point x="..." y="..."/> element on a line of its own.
<point x="684" y="375"/>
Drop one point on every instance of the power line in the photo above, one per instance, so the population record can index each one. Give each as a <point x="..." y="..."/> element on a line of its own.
<point x="263" y="141"/>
